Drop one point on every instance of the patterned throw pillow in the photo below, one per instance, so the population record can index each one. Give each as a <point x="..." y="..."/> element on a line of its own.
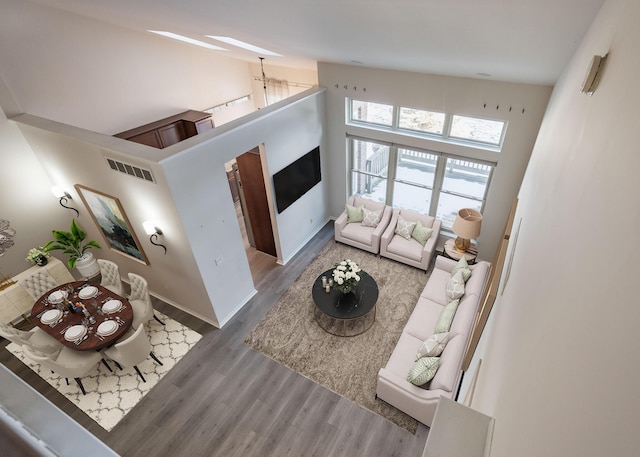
<point x="354" y="213"/>
<point x="404" y="228"/>
<point x="423" y="370"/>
<point x="446" y="317"/>
<point x="455" y="286"/>
<point x="370" y="218"/>
<point x="421" y="233"/>
<point x="433" y="346"/>
<point x="463" y="266"/>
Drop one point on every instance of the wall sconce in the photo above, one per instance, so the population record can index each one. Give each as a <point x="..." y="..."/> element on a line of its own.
<point x="64" y="198"/>
<point x="153" y="232"/>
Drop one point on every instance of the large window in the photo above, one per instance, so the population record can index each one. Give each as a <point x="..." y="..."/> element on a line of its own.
<point x="424" y="181"/>
<point x="448" y="127"/>
<point x="369" y="165"/>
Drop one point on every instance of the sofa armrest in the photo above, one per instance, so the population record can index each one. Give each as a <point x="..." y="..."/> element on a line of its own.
<point x="444" y="263"/>
<point x="387" y="236"/>
<point x="430" y="245"/>
<point x="382" y="225"/>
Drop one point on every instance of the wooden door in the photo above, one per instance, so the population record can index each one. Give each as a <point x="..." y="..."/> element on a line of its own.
<point x="255" y="193"/>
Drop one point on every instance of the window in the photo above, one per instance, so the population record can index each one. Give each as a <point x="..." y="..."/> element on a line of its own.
<point x="414" y="177"/>
<point x="421" y="121"/>
<point x="475" y="129"/>
<point x="424" y="181"/>
<point x="369" y="169"/>
<point x="373" y="113"/>
<point x="451" y="128"/>
<point x="464" y="185"/>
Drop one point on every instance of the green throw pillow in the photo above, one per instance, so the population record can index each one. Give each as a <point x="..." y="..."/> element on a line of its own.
<point x="421" y="233"/>
<point x="423" y="370"/>
<point x="354" y="213"/>
<point x="462" y="266"/>
<point x="446" y="317"/>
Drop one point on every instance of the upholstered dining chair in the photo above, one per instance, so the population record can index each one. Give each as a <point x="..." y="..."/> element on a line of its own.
<point x="38" y="283"/>
<point x="111" y="276"/>
<point x="69" y="363"/>
<point x="36" y="338"/>
<point x="141" y="301"/>
<point x="132" y="351"/>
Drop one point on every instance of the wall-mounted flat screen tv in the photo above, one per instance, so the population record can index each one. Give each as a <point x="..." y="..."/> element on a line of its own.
<point x="296" y="179"/>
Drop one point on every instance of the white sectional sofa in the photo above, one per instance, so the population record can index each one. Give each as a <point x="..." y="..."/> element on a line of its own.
<point x="420" y="401"/>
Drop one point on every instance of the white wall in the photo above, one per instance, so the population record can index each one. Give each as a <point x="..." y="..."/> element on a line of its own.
<point x="560" y="367"/>
<point x="26" y="199"/>
<point x="439" y="93"/>
<point x="108" y="79"/>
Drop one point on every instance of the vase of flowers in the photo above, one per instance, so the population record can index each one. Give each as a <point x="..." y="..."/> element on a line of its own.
<point x="38" y="256"/>
<point x="346" y="276"/>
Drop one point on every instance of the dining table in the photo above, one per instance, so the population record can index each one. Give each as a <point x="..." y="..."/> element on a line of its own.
<point x="105" y="319"/>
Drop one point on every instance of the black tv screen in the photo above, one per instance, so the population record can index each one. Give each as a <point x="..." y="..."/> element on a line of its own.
<point x="296" y="179"/>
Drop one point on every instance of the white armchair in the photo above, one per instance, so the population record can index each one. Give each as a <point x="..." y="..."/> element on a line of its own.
<point x="110" y="276"/>
<point x="132" y="351"/>
<point x="360" y="234"/>
<point x="68" y="362"/>
<point x="409" y="250"/>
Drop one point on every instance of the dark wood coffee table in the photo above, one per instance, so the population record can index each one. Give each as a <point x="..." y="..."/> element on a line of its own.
<point x="345" y="314"/>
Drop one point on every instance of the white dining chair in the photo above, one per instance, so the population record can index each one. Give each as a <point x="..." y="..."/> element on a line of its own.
<point x="35" y="338"/>
<point x="38" y="283"/>
<point x="110" y="276"/>
<point x="69" y="363"/>
<point x="132" y="351"/>
<point x="140" y="301"/>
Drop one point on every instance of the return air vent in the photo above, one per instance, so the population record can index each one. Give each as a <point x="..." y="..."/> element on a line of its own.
<point x="131" y="170"/>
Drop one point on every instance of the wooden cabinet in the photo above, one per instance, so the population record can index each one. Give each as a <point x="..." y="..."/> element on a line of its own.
<point x="170" y="130"/>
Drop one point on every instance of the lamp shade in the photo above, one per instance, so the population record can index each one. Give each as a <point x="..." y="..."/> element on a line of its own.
<point x="467" y="224"/>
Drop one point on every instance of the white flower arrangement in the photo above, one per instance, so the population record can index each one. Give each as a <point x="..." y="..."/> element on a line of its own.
<point x="35" y="254"/>
<point x="345" y="276"/>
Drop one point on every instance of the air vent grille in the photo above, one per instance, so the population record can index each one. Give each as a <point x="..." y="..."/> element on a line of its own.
<point x="132" y="170"/>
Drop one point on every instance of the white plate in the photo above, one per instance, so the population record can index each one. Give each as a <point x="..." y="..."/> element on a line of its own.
<point x="107" y="328"/>
<point x="112" y="306"/>
<point x="57" y="296"/>
<point x="75" y="332"/>
<point x="50" y="316"/>
<point x="88" y="292"/>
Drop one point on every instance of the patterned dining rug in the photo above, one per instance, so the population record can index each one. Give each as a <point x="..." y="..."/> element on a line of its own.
<point x="290" y="335"/>
<point x="110" y="396"/>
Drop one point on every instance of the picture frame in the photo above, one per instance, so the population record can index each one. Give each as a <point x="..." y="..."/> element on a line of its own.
<point x="108" y="214"/>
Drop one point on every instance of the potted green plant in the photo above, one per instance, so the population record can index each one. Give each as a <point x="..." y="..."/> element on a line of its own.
<point x="38" y="256"/>
<point x="72" y="243"/>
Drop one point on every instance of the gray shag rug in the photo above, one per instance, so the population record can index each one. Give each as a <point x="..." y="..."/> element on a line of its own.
<point x="290" y="335"/>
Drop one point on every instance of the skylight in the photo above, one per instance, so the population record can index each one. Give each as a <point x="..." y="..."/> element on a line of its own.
<point x="175" y="36"/>
<point x="243" y="45"/>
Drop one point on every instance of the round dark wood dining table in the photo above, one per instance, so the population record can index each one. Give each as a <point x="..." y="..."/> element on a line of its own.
<point x="92" y="341"/>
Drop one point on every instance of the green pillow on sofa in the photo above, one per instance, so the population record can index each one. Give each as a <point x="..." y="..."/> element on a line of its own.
<point x="354" y="213"/>
<point x="463" y="266"/>
<point x="423" y="370"/>
<point x="446" y="317"/>
<point x="421" y="233"/>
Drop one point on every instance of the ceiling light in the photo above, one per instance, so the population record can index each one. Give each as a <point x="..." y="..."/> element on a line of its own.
<point x="175" y="36"/>
<point x="243" y="45"/>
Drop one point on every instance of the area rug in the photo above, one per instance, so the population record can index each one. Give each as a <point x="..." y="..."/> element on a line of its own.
<point x="290" y="335"/>
<point x="110" y="396"/>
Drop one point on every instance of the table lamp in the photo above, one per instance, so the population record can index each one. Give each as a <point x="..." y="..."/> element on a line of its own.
<point x="466" y="226"/>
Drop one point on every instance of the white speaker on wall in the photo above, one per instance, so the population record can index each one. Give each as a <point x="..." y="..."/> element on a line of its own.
<point x="593" y="75"/>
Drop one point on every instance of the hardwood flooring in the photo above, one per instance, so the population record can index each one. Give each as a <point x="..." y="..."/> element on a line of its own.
<point x="223" y="399"/>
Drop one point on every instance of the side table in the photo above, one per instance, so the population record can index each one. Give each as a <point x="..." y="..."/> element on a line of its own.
<point x="451" y="252"/>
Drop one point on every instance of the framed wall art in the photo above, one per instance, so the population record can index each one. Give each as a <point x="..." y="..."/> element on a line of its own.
<point x="109" y="216"/>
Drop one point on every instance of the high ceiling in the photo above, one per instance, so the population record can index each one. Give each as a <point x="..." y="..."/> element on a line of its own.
<point x="509" y="40"/>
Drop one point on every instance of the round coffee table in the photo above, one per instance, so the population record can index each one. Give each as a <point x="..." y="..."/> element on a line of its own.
<point x="345" y="314"/>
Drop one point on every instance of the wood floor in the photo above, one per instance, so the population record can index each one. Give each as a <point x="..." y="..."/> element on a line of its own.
<point x="224" y="399"/>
